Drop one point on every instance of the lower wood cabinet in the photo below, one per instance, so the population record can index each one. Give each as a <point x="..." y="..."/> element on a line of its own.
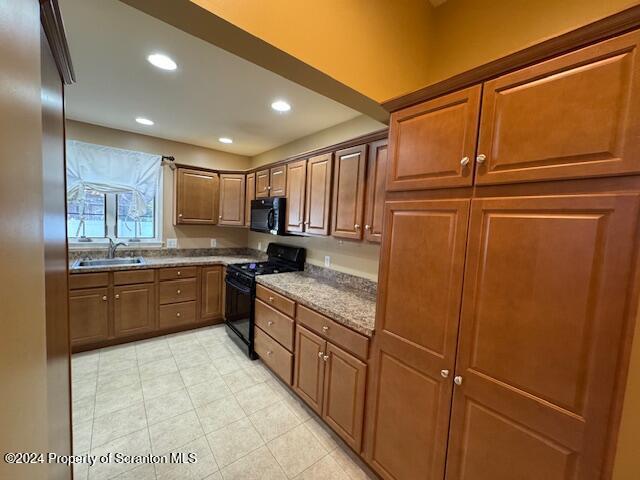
<point x="107" y="308"/>
<point x="88" y="316"/>
<point x="134" y="309"/>
<point x="332" y="382"/>
<point x="212" y="286"/>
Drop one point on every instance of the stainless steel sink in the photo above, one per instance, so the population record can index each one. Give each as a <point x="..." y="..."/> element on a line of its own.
<point x="104" y="262"/>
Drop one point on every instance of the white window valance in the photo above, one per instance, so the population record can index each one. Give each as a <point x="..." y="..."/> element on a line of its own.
<point x="101" y="169"/>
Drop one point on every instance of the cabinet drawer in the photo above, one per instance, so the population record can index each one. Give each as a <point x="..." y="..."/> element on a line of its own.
<point x="178" y="291"/>
<point x="177" y="272"/>
<point x="131" y="277"/>
<point x="88" y="280"/>
<point x="274" y="355"/>
<point x="278" y="326"/>
<point x="333" y="331"/>
<point x="277" y="301"/>
<point x="177" y="314"/>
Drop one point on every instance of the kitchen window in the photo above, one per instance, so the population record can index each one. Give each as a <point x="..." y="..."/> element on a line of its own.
<point x="112" y="193"/>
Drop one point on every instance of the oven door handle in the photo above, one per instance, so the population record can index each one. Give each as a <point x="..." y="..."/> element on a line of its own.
<point x="237" y="286"/>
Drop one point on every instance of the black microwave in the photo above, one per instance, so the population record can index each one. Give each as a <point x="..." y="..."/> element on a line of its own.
<point x="267" y="215"/>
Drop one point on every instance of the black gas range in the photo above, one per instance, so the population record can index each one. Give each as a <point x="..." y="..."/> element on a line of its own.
<point x="241" y="290"/>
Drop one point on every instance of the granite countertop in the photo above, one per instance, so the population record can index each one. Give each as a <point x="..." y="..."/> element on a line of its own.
<point x="351" y="307"/>
<point x="160" y="262"/>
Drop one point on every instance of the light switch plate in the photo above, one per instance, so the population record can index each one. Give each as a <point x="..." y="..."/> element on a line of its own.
<point x="327" y="261"/>
<point x="172" y="243"/>
<point x="214" y="243"/>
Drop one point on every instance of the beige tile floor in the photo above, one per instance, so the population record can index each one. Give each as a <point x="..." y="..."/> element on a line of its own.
<point x="195" y="392"/>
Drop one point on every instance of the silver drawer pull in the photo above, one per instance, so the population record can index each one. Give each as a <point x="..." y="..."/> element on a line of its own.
<point x="464" y="162"/>
<point x="325" y="358"/>
<point x="269" y="352"/>
<point x="481" y="158"/>
<point x="269" y="323"/>
<point x="271" y="299"/>
<point x="178" y="292"/>
<point x="457" y="380"/>
<point x="444" y="373"/>
<point x="179" y="273"/>
<point x="367" y="227"/>
<point x="117" y="296"/>
<point x="178" y="314"/>
<point x="104" y="298"/>
<point x="320" y="354"/>
<point x="325" y="328"/>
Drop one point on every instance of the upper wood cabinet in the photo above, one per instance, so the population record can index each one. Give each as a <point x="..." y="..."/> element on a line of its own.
<point x="88" y="316"/>
<point x="134" y="309"/>
<point x="348" y="192"/>
<point x="296" y="182"/>
<point x="211" y="284"/>
<point x="577" y="115"/>
<point x="376" y="178"/>
<point x="318" y="194"/>
<point x="232" y="203"/>
<point x="414" y="349"/>
<point x="249" y="195"/>
<point x="262" y="183"/>
<point x="546" y="291"/>
<point x="195" y="197"/>
<point x="432" y="145"/>
<point x="278" y="181"/>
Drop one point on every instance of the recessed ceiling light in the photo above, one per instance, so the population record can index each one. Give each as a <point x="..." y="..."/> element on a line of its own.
<point x="281" y="106"/>
<point x="144" y="121"/>
<point x="225" y="140"/>
<point x="162" y="61"/>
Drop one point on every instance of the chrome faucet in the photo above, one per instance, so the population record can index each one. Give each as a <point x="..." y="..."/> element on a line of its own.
<point x="113" y="247"/>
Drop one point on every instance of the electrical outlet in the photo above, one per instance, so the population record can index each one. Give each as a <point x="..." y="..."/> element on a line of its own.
<point x="327" y="261"/>
<point x="214" y="243"/>
<point x="259" y="245"/>
<point x="172" y="243"/>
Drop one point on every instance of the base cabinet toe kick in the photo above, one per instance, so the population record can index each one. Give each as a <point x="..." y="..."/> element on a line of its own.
<point x="108" y="308"/>
<point x="324" y="362"/>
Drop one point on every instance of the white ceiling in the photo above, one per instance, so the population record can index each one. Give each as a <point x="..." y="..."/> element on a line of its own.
<point x="212" y="94"/>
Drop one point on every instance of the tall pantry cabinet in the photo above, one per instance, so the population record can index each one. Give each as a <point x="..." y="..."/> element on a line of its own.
<point x="507" y="274"/>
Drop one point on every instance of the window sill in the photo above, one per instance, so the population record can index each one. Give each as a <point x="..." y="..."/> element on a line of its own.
<point x="100" y="244"/>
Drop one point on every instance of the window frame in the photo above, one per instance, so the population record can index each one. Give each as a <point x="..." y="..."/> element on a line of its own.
<point x="111" y="227"/>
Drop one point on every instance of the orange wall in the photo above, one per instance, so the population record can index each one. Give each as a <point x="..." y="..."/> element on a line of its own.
<point x="377" y="47"/>
<point x="384" y="48"/>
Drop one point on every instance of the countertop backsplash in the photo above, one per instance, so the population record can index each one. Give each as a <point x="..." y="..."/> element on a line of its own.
<point x="124" y="252"/>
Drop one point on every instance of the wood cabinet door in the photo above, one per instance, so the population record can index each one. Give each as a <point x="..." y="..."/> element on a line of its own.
<point x="432" y="145"/>
<point x="376" y="178"/>
<point x="577" y="115"/>
<point x="318" y="201"/>
<point x="344" y="389"/>
<point x="134" y="309"/>
<point x="211" y="282"/>
<point x="232" y="204"/>
<point x="262" y="183"/>
<point x="413" y="351"/>
<point x="547" y="281"/>
<point x="278" y="181"/>
<point x="348" y="192"/>
<point x="88" y="315"/>
<point x="196" y="197"/>
<point x="296" y="180"/>
<point x="308" y="375"/>
<point x="250" y="194"/>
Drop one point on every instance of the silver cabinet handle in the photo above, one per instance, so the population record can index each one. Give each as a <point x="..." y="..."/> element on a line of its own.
<point x="325" y="328"/>
<point x="104" y="298"/>
<point x="481" y="158"/>
<point x="269" y="323"/>
<point x="367" y="227"/>
<point x="325" y="358"/>
<point x="356" y="226"/>
<point x="457" y="380"/>
<point x="269" y="352"/>
<point x="320" y="354"/>
<point x="269" y="187"/>
<point x="180" y="215"/>
<point x="465" y="161"/>
<point x="179" y="273"/>
<point x="178" y="292"/>
<point x="444" y="373"/>
<point x="117" y="296"/>
<point x="178" y="314"/>
<point x="220" y="217"/>
<point x="271" y="299"/>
